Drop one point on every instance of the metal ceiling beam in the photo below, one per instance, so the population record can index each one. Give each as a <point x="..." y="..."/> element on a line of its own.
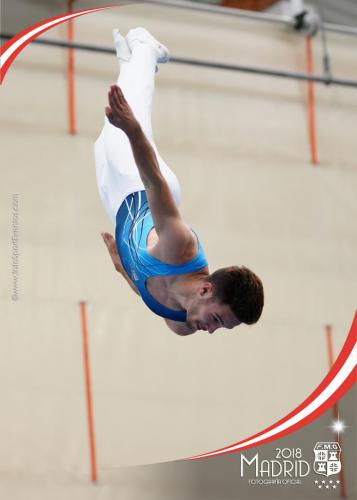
<point x="205" y="64"/>
<point x="250" y="15"/>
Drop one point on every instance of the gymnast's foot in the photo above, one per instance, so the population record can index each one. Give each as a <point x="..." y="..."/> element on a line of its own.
<point x="121" y="46"/>
<point x="141" y="35"/>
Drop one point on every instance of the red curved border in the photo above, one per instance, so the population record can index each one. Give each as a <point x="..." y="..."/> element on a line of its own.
<point x="59" y="19"/>
<point x="344" y="387"/>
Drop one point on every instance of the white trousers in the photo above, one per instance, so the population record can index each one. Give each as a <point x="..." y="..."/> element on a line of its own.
<point x="117" y="173"/>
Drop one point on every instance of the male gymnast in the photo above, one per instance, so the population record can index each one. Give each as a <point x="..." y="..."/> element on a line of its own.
<point x="158" y="254"/>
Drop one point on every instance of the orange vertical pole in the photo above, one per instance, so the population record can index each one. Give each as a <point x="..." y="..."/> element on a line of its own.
<point x="70" y="75"/>
<point x="335" y="410"/>
<point x="311" y="102"/>
<point x="88" y="387"/>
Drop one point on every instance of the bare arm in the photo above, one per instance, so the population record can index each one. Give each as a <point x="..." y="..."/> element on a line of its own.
<point x="174" y="235"/>
<point x="113" y="252"/>
<point x="120" y="115"/>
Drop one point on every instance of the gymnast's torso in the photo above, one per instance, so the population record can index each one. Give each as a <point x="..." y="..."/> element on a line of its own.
<point x="136" y="241"/>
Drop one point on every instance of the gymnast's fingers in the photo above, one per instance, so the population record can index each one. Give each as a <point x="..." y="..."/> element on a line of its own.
<point x="112" y="102"/>
<point x="116" y="97"/>
<point x="109" y="114"/>
<point x="119" y="94"/>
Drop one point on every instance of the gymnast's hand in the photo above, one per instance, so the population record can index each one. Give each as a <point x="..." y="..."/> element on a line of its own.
<point x="119" y="112"/>
<point x="113" y="252"/>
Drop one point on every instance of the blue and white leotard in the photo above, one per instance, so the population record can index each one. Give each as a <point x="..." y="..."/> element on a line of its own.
<point x="133" y="224"/>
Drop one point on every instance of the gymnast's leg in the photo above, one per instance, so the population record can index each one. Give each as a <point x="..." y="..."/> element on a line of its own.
<point x="117" y="173"/>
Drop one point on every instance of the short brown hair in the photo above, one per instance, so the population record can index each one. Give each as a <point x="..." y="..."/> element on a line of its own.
<point x="241" y="290"/>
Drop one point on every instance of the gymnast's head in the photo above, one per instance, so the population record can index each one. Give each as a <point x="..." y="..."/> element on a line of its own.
<point x="226" y="298"/>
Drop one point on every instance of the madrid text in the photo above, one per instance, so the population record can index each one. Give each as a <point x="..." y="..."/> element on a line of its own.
<point x="287" y="467"/>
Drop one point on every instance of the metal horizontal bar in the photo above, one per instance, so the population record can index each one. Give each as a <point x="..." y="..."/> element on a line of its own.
<point x="205" y="64"/>
<point x="267" y="72"/>
<point x="339" y="28"/>
<point x="248" y="14"/>
<point x="65" y="45"/>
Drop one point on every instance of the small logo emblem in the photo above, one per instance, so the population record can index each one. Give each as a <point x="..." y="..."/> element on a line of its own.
<point x="327" y="458"/>
<point x="134" y="275"/>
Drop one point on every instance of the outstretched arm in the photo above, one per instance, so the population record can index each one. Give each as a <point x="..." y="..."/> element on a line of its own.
<point x="174" y="234"/>
<point x="113" y="252"/>
<point x="120" y="115"/>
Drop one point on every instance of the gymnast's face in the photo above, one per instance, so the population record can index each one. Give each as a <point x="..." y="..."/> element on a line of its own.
<point x="208" y="314"/>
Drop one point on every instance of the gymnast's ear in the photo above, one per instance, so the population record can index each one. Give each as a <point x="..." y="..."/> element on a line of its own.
<point x="206" y="290"/>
